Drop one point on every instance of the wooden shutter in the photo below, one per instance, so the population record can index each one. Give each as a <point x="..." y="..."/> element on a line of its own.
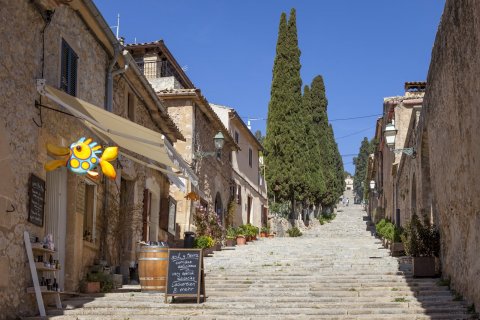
<point x="146" y="213"/>
<point x="68" y="77"/>
<point x="164" y="206"/>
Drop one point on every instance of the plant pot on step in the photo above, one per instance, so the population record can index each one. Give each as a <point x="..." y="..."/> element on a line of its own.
<point x="217" y="247"/>
<point x="241" y="240"/>
<point x="230" y="242"/>
<point x="263" y="234"/>
<point x="397" y="249"/>
<point x="271" y="235"/>
<point x="92" y="287"/>
<point x="423" y="266"/>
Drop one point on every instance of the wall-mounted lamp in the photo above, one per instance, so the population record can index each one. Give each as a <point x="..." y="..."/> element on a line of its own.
<point x="219" y="141"/>
<point x="390" y="134"/>
<point x="372" y="184"/>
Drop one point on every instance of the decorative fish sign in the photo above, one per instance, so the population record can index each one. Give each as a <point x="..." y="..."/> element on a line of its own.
<point x="83" y="157"/>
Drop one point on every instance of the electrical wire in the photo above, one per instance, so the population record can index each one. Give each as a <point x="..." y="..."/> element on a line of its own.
<point x="354" y="133"/>
<point x="339" y="119"/>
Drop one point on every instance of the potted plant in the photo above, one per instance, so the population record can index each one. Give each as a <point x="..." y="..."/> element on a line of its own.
<point x="231" y="237"/>
<point x="206" y="243"/>
<point x="241" y="238"/>
<point x="264" y="232"/>
<point x="393" y="233"/>
<point x="422" y="243"/>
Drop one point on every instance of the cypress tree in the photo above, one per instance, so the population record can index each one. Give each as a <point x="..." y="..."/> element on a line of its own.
<point x="361" y="163"/>
<point x="283" y="134"/>
<point x="314" y="106"/>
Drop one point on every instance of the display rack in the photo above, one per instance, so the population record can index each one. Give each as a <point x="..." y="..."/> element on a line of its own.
<point x="34" y="269"/>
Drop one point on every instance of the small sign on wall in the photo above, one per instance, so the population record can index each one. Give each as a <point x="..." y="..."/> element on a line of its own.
<point x="36" y="204"/>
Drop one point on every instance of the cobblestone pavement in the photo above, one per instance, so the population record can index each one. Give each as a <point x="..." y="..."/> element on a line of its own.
<point x="335" y="271"/>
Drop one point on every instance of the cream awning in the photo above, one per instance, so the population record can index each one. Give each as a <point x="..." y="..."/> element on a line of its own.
<point x="125" y="133"/>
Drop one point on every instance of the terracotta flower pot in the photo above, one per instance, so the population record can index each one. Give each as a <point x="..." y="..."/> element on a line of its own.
<point x="248" y="238"/>
<point x="263" y="234"/>
<point x="217" y="247"/>
<point x="271" y="235"/>
<point x="92" y="287"/>
<point x="230" y="242"/>
<point x="241" y="240"/>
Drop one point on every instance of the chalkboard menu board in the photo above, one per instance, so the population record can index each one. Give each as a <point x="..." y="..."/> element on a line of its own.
<point x="185" y="277"/>
<point x="36" y="204"/>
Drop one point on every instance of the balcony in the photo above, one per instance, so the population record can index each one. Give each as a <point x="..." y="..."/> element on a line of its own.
<point x="155" y="69"/>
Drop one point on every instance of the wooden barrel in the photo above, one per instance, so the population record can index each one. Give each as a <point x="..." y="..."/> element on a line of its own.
<point x="152" y="268"/>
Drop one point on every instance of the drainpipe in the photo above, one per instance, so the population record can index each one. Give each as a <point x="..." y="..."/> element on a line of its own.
<point x="109" y="102"/>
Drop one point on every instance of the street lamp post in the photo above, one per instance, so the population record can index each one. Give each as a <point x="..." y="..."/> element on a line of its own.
<point x="219" y="141"/>
<point x="390" y="133"/>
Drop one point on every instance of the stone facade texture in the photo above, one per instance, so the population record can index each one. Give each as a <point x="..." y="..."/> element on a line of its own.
<point x="28" y="54"/>
<point x="452" y="118"/>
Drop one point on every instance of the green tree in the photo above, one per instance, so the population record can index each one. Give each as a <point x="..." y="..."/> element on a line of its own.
<point x="329" y="158"/>
<point x="259" y="136"/>
<point x="361" y="163"/>
<point x="283" y="133"/>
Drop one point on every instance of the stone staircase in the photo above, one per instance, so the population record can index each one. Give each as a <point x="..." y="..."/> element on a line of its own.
<point x="336" y="271"/>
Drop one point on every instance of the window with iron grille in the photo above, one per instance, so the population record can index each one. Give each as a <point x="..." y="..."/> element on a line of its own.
<point x="68" y="77"/>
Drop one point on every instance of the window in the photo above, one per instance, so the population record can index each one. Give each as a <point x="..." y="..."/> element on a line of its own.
<point x="89" y="213"/>
<point x="250" y="157"/>
<point x="68" y="76"/>
<point x="236" y="137"/>
<point x="239" y="194"/>
<point x="172" y="212"/>
<point x="232" y="189"/>
<point x="131" y="107"/>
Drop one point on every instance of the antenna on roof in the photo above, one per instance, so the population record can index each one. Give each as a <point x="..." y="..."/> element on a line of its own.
<point x="117" y="27"/>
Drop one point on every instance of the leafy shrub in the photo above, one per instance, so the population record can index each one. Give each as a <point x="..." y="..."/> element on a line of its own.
<point x="294" y="232"/>
<point x="265" y="229"/>
<point x="421" y="240"/>
<point x="231" y="233"/>
<point x="248" y="230"/>
<point x="203" y="242"/>
<point x="379" y="227"/>
<point x="326" y="217"/>
<point x="105" y="279"/>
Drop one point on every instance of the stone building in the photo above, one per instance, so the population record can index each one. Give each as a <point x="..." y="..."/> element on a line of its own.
<point x="348" y="183"/>
<point x="197" y="121"/>
<point x="249" y="189"/>
<point x="397" y="111"/>
<point x="88" y="91"/>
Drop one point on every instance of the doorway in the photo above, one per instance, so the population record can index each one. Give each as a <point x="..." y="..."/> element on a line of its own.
<point x="219" y="207"/>
<point x="249" y="209"/>
<point x="56" y="215"/>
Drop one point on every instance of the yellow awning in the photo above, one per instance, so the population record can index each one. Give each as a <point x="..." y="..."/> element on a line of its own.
<point x="125" y="133"/>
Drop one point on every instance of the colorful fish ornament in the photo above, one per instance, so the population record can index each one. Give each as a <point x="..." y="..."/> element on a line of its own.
<point x="83" y="157"/>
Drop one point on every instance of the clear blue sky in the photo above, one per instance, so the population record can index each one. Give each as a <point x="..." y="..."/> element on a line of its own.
<point x="365" y="50"/>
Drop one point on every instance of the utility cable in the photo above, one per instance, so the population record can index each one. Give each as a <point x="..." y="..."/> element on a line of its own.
<point x="354" y="133"/>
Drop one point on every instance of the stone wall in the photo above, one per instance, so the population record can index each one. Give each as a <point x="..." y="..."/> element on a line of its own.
<point x="452" y="119"/>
